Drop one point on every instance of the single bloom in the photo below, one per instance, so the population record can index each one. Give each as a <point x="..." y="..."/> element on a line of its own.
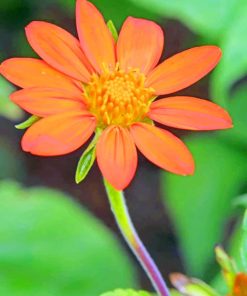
<point x="99" y="84"/>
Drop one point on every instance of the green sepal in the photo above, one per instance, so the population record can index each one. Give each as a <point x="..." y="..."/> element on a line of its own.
<point x="27" y="123"/>
<point x="86" y="161"/>
<point x="148" y="121"/>
<point x="112" y="29"/>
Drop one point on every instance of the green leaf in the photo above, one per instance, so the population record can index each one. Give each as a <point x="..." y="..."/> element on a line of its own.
<point x="237" y="107"/>
<point x="174" y="292"/>
<point x="241" y="201"/>
<point x="27" y="123"/>
<point x="195" y="14"/>
<point x="49" y="245"/>
<point x="7" y="108"/>
<point x="243" y="247"/>
<point x="117" y="11"/>
<point x="205" y="198"/>
<point x="120" y="292"/>
<point x="233" y="65"/>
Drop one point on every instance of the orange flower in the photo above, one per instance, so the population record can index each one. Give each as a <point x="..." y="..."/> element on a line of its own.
<point x="240" y="285"/>
<point x="96" y="83"/>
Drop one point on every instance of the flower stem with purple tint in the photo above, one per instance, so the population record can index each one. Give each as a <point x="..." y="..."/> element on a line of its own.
<point x="120" y="211"/>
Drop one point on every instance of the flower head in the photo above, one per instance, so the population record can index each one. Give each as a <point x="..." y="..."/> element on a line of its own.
<point x="97" y="83"/>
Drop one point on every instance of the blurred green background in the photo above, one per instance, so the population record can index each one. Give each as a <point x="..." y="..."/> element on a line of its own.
<point x="66" y="242"/>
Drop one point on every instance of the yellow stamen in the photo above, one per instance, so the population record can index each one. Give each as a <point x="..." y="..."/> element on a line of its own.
<point x="118" y="98"/>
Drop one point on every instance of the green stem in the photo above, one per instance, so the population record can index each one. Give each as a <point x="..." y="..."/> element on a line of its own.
<point x="120" y="211"/>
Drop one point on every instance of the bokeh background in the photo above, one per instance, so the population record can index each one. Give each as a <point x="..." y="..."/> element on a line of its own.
<point x="59" y="238"/>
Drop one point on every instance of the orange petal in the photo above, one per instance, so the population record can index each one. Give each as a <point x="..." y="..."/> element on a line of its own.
<point x="117" y="156"/>
<point x="59" y="49"/>
<point x="183" y="69"/>
<point x="96" y="39"/>
<point x="189" y="113"/>
<point x="28" y="72"/>
<point x="240" y="285"/>
<point x="163" y="148"/>
<point x="59" y="134"/>
<point x="47" y="101"/>
<point x="140" y="44"/>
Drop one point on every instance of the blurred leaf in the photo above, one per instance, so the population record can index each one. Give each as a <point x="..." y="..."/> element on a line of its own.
<point x="243" y="248"/>
<point x="201" y="204"/>
<point x="238" y="243"/>
<point x="240" y="201"/>
<point x="27" y="123"/>
<point x="117" y="11"/>
<point x="233" y="65"/>
<point x="195" y="14"/>
<point x="173" y="292"/>
<point x="237" y="107"/>
<point x="51" y="246"/>
<point x="7" y="108"/>
<point x="120" y="292"/>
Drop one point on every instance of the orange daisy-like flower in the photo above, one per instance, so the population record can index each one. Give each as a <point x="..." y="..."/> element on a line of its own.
<point x="97" y="83"/>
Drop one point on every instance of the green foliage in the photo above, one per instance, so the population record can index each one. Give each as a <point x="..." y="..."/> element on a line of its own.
<point x="237" y="107"/>
<point x="208" y="18"/>
<point x="201" y="204"/>
<point x="118" y="11"/>
<point x="51" y="246"/>
<point x="7" y="108"/>
<point x="238" y="243"/>
<point x="120" y="292"/>
<point x="114" y="10"/>
<point x="233" y="65"/>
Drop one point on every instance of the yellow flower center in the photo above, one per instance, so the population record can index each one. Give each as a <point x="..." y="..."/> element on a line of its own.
<point x="118" y="97"/>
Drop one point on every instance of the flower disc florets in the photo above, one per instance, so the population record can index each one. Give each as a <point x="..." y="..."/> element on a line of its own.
<point x="117" y="97"/>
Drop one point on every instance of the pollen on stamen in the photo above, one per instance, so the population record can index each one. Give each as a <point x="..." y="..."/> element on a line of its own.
<point x="117" y="97"/>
